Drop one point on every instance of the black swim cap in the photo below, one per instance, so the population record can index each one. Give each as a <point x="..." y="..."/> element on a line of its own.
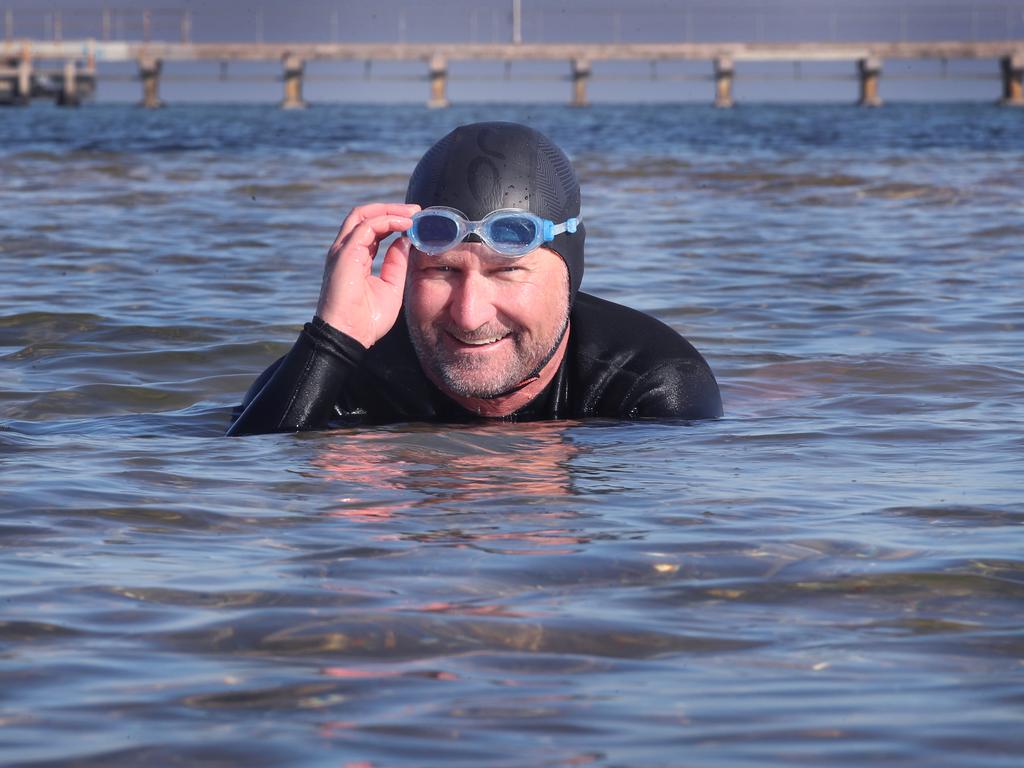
<point x="481" y="167"/>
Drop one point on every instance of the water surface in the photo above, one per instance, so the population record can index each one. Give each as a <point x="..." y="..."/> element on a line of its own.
<point x="831" y="574"/>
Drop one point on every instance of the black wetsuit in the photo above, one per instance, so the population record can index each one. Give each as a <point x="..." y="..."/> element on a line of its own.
<point x="619" y="363"/>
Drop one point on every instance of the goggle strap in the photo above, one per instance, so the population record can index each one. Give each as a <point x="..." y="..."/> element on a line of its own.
<point x="551" y="229"/>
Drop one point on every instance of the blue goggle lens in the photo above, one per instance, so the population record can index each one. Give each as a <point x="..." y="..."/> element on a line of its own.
<point x="434" y="231"/>
<point x="512" y="230"/>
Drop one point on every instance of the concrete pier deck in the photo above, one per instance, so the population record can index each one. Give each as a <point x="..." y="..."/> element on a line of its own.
<point x="725" y="59"/>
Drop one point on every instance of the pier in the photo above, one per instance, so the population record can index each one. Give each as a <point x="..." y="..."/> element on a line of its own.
<point x="71" y="68"/>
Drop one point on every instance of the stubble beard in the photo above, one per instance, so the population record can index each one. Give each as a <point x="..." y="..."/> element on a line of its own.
<point x="467" y="376"/>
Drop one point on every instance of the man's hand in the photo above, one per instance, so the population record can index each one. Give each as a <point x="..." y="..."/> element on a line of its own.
<point x="352" y="299"/>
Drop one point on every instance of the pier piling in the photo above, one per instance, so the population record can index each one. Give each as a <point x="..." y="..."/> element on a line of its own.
<point x="293" y="70"/>
<point x="149" y="73"/>
<point x="724" y="71"/>
<point x="69" y="95"/>
<point x="869" y="70"/>
<point x="438" y="82"/>
<point x="580" y="75"/>
<point x="1013" y="80"/>
<point x="8" y="81"/>
<point x="23" y="91"/>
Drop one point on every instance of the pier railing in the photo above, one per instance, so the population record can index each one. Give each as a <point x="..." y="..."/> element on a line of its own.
<point x="75" y="77"/>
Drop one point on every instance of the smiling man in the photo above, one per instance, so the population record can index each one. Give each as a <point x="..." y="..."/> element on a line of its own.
<point x="476" y="311"/>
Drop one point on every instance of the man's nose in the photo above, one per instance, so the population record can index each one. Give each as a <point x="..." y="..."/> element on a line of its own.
<point x="472" y="304"/>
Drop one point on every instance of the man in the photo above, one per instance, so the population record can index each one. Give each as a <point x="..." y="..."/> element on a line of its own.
<point x="476" y="311"/>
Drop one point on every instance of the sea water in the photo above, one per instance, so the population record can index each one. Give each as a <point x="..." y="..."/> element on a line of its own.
<point x="831" y="574"/>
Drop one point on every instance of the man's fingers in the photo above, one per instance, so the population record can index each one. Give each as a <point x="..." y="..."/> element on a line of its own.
<point x="371" y="211"/>
<point x="360" y="247"/>
<point x="396" y="264"/>
<point x="369" y="233"/>
<point x="378" y="228"/>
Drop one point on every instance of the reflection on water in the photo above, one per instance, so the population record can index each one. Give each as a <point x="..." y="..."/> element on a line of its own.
<point x="829" y="575"/>
<point x="457" y="467"/>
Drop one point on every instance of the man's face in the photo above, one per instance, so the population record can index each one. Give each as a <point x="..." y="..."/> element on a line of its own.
<point x="481" y="323"/>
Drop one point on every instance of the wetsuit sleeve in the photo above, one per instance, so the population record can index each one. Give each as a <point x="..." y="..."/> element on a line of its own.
<point x="626" y="364"/>
<point x="682" y="389"/>
<point x="300" y="391"/>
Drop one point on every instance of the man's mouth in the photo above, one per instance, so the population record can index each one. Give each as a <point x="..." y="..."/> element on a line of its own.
<point x="478" y="341"/>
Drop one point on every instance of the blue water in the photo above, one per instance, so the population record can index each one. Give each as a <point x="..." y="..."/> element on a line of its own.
<point x="830" y="575"/>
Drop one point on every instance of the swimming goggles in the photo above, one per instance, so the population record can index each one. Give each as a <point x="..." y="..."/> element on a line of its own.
<point x="509" y="231"/>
